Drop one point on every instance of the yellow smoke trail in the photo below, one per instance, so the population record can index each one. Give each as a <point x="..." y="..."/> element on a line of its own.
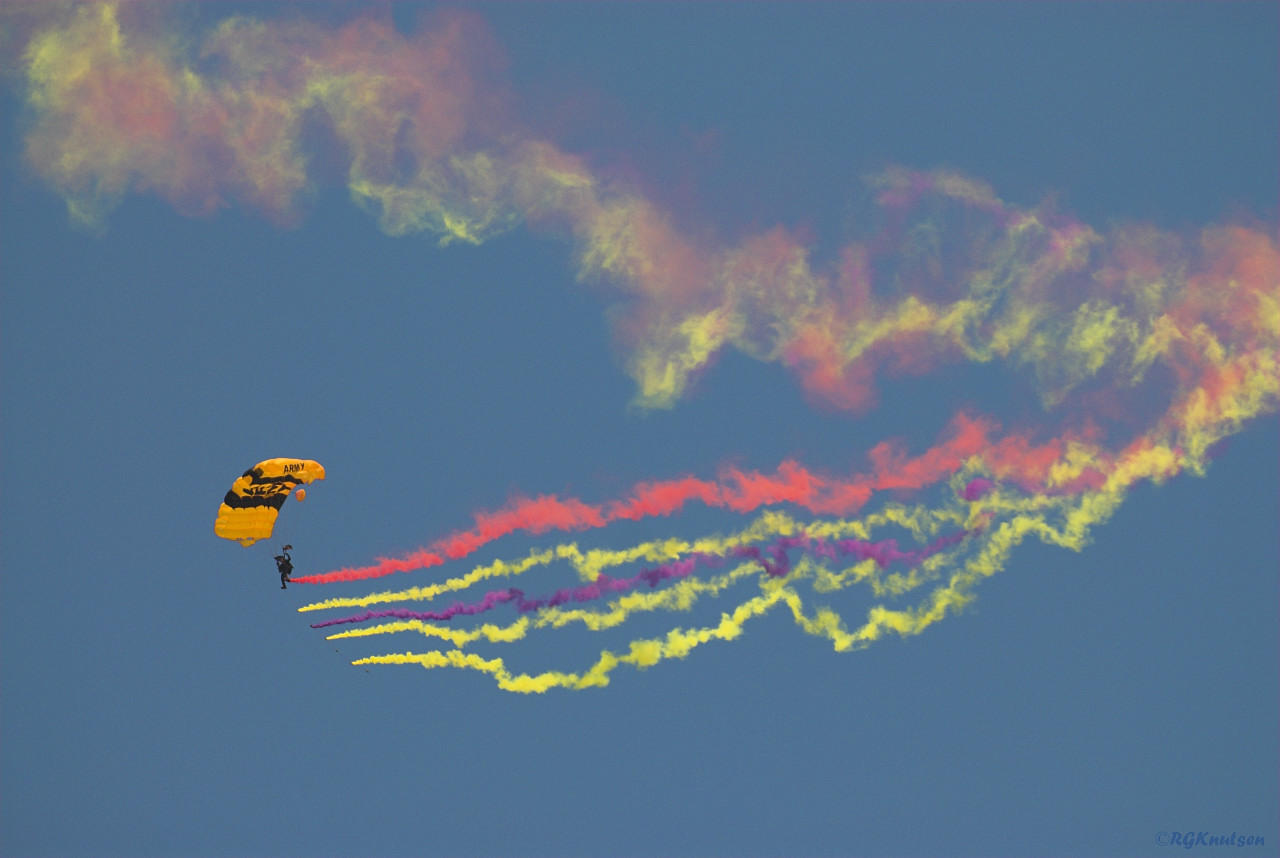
<point x="678" y="643"/>
<point x="642" y="653"/>
<point x="458" y="637"/>
<point x="496" y="569"/>
<point x="921" y="522"/>
<point x="679" y="597"/>
<point x="645" y="652"/>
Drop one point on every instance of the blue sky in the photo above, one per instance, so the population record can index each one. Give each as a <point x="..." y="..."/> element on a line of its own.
<point x="162" y="696"/>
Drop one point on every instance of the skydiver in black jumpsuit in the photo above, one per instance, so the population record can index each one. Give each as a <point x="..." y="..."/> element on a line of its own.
<point x="285" y="564"/>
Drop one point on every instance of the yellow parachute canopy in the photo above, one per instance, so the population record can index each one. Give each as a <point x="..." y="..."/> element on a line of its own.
<point x="248" y="512"/>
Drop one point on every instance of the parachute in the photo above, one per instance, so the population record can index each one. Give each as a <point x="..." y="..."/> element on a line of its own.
<point x="248" y="512"/>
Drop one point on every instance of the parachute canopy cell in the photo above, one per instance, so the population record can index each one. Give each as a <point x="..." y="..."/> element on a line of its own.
<point x="248" y="512"/>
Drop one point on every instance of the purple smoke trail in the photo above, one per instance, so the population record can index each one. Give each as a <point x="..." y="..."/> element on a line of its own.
<point x="883" y="552"/>
<point x="976" y="488"/>
<point x="603" y="585"/>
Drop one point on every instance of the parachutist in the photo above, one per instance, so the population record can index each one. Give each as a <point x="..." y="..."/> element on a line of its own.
<point x="285" y="564"/>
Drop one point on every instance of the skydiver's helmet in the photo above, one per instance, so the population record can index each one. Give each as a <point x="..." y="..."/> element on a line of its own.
<point x="287" y="548"/>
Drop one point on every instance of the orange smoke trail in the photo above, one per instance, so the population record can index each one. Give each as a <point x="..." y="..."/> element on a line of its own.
<point x="741" y="491"/>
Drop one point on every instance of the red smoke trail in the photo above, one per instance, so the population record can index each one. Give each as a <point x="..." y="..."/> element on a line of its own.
<point x="737" y="491"/>
<point x="1012" y="458"/>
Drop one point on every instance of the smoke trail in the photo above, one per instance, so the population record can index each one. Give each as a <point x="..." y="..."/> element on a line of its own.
<point x="642" y="653"/>
<point x="920" y="521"/>
<point x="1012" y="457"/>
<point x="679" y="597"/>
<point x="772" y="558"/>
